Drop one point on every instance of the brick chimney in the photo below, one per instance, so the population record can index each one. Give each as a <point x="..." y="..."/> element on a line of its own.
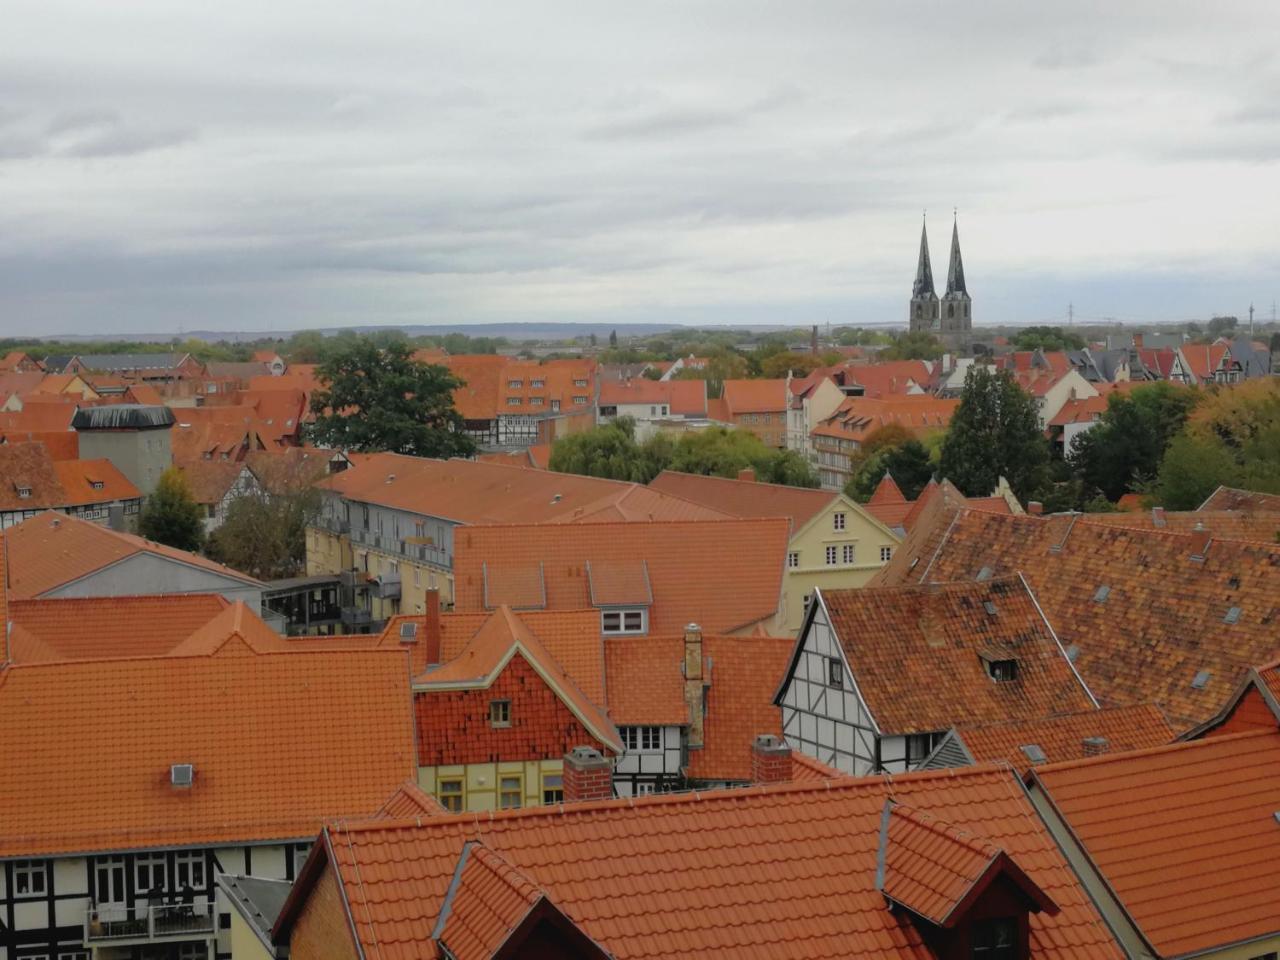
<point x="695" y="690"/>
<point x="770" y="760"/>
<point x="747" y="474"/>
<point x="431" y="626"/>
<point x="588" y="775"/>
<point x="1157" y="516"/>
<point x="1137" y="341"/>
<point x="1200" y="538"/>
<point x="1035" y="508"/>
<point x="1095" y="746"/>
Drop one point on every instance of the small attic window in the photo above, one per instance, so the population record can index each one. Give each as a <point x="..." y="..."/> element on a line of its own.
<point x="1233" y="583"/>
<point x="96" y="484"/>
<point x="1100" y="596"/>
<point x="1201" y="679"/>
<point x="990" y="607"/>
<point x="24" y="493"/>
<point x="1033" y="752"/>
<point x="1002" y="671"/>
<point x="984" y="574"/>
<point x="1233" y="616"/>
<point x="408" y="632"/>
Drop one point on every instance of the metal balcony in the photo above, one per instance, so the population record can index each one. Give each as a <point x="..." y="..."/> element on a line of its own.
<point x="112" y="924"/>
<point x="356" y="616"/>
<point x="387" y="586"/>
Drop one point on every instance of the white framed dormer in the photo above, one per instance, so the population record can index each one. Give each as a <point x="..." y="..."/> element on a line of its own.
<point x="624" y="621"/>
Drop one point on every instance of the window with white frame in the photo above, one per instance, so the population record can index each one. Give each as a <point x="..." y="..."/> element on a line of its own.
<point x="847" y="553"/>
<point x="514" y="384"/>
<point x="189" y="869"/>
<point x="579" y="401"/>
<point x="513" y="401"/>
<point x="641" y="739"/>
<point x="837" y="521"/>
<point x="30" y="877"/>
<point x="537" y="384"/>
<point x="886" y="554"/>
<point x="793" y="559"/>
<point x="623" y="621"/>
<point x="579" y="383"/>
<point x="832" y="553"/>
<point x="644" y="789"/>
<point x="149" y="872"/>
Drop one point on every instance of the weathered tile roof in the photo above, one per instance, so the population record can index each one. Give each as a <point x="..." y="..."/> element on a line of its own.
<point x="725" y="575"/>
<point x="1063" y="737"/>
<point x="1185" y="835"/>
<point x="746" y="498"/>
<point x="754" y="396"/>
<point x="56" y="483"/>
<point x="1261" y="526"/>
<point x="1151" y="616"/>
<point x="682" y="397"/>
<point x="51" y="549"/>
<point x="741" y="873"/>
<point x="917" y="654"/>
<point x="1231" y="498"/>
<point x="886" y="492"/>
<point x="100" y="736"/>
<point x="209" y="480"/>
<point x="859" y="417"/>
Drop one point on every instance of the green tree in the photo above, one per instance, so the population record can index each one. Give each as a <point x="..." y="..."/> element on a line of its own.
<point x="724" y="452"/>
<point x="170" y="515"/>
<point x="1223" y="326"/>
<point x="908" y="463"/>
<point x="264" y="531"/>
<point x="613" y="339"/>
<point x="609" y="451"/>
<point x="722" y="364"/>
<point x="1193" y="467"/>
<point x="776" y="367"/>
<point x="995" y="432"/>
<point x="1123" y="451"/>
<point x="913" y="346"/>
<point x="1046" y="338"/>
<point x="380" y="398"/>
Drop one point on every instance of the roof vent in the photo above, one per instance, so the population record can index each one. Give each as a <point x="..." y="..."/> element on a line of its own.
<point x="990" y="607"/>
<point x="557" y="498"/>
<point x="1233" y="616"/>
<point x="391" y="478"/>
<point x="408" y="632"/>
<point x="1095" y="746"/>
<point x="1073" y="651"/>
<point x="1201" y="679"/>
<point x="1033" y="752"/>
<point x="182" y="774"/>
<point x="984" y="574"/>
<point x="1101" y="595"/>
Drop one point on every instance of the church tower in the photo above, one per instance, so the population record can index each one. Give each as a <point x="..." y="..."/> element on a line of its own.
<point x="924" y="300"/>
<point x="957" y="305"/>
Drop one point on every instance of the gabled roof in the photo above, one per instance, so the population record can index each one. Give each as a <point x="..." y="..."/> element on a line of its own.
<point x="754" y="396"/>
<point x="236" y="622"/>
<point x="1184" y="835"/>
<point x="938" y="871"/>
<point x="86" y="482"/>
<point x="725" y="575"/>
<point x="918" y="654"/>
<point x="488" y="899"/>
<point x="746" y="498"/>
<point x="1203" y="360"/>
<point x="1120" y="729"/>
<point x="859" y="417"/>
<point x="738" y="874"/>
<point x="410" y="801"/>
<point x="886" y="492"/>
<point x="1232" y="498"/>
<point x="31" y="479"/>
<point x="100" y="736"/>
<point x="683" y="397"/>
<point x="1181" y="618"/>
<point x="50" y="550"/>
<point x="1260" y="526"/>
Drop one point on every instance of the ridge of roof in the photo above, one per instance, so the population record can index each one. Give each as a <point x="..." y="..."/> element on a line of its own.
<point x="1130" y="755"/>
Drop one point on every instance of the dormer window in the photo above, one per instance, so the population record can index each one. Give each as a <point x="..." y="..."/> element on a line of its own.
<point x="614" y="622"/>
<point x="1002" y="671"/>
<point x="995" y="939"/>
<point x="96" y="484"/>
<point x="24" y="493"/>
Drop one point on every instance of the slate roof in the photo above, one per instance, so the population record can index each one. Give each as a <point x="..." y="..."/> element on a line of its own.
<point x="725" y="575"/>
<point x="99" y="736"/>
<point x="735" y="873"/>
<point x="1185" y="835"/>
<point x="917" y="654"/>
<point x="1183" y="615"/>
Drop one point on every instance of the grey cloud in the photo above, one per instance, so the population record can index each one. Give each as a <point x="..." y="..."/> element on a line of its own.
<point x="677" y="122"/>
<point x="122" y="141"/>
<point x="1062" y="56"/>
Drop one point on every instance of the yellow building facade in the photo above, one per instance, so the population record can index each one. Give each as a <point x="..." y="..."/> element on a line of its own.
<point x="494" y="786"/>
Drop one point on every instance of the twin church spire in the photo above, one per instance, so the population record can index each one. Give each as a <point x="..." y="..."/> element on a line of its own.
<point x="951" y="314"/>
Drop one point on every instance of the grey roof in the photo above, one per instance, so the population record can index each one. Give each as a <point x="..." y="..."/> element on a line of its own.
<point x="123" y="416"/>
<point x="103" y="362"/>
<point x="233" y="369"/>
<point x="923" y="287"/>
<point x="955" y="272"/>
<point x="258" y="901"/>
<point x="1253" y="362"/>
<point x="57" y="362"/>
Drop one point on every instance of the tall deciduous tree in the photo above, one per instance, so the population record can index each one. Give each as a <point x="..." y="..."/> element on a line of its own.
<point x="995" y="433"/>
<point x="170" y="515"/>
<point x="908" y="463"/>
<point x="264" y="532"/>
<point x="380" y="398"/>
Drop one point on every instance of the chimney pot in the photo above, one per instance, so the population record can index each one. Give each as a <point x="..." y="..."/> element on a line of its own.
<point x="1095" y="746"/>
<point x="1035" y="508"/>
<point x="770" y="759"/>
<point x="1157" y="516"/>
<point x="588" y="775"/>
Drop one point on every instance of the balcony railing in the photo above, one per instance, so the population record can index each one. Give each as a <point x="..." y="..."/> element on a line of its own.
<point x="356" y="616"/>
<point x="162" y="921"/>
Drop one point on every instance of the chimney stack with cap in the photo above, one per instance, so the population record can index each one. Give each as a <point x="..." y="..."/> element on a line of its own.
<point x="1095" y="746"/>
<point x="1157" y="516"/>
<point x="588" y="775"/>
<point x="431" y="626"/>
<point x="694" y="684"/>
<point x="1035" y="508"/>
<point x="1200" y="538"/>
<point x="770" y="760"/>
<point x="747" y="474"/>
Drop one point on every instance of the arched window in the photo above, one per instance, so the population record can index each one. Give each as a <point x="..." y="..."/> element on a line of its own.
<point x="966" y="311"/>
<point x="951" y="311"/>
<point x="917" y="311"/>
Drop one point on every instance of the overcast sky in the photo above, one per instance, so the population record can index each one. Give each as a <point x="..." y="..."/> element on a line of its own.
<point x="271" y="165"/>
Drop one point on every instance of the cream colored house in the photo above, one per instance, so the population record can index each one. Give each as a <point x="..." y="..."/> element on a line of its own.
<point x="835" y="542"/>
<point x="813" y="399"/>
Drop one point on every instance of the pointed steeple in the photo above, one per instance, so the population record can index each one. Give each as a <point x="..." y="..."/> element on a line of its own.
<point x="923" y="287"/>
<point x="955" y="272"/>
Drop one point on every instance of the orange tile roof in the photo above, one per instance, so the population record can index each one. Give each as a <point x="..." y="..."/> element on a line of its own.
<point x="1203" y="360"/>
<point x="487" y="901"/>
<point x="38" y="418"/>
<point x="645" y="680"/>
<point x="683" y="397"/>
<point x="917" y="654"/>
<point x="887" y="378"/>
<point x="725" y="575"/>
<point x="100" y="736"/>
<point x="86" y="482"/>
<point x="887" y="492"/>
<point x="936" y="870"/>
<point x="51" y="549"/>
<point x="1181" y="619"/>
<point x="235" y="627"/>
<point x="210" y="480"/>
<point x="926" y="523"/>
<point x="1261" y="526"/>
<point x="489" y="384"/>
<point x="793" y="864"/>
<point x="859" y="417"/>
<point x="1185" y="835"/>
<point x="85" y="628"/>
<point x="1063" y="737"/>
<point x="409" y="802"/>
<point x="1231" y="498"/>
<point x="746" y="498"/>
<point x="1087" y="410"/>
<point x="755" y="396"/>
<point x="468" y="491"/>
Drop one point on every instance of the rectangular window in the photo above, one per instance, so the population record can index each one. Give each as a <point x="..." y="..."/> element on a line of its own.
<point x="1003" y="671"/>
<point x="510" y="792"/>
<point x="535" y="401"/>
<point x="835" y="673"/>
<point x="995" y="939"/>
<point x="644" y="789"/>
<point x="537" y="384"/>
<point x="30" y="877"/>
<point x="149" y="872"/>
<point x="514" y="384"/>
<point x="499" y="713"/>
<point x="449" y="793"/>
<point x="552" y="788"/>
<point x="846" y="553"/>
<point x="108" y="879"/>
<point x="189" y="869"/>
<point x="622" y="621"/>
<point x="831" y="556"/>
<point x="641" y="739"/>
<point x="886" y="554"/>
<point x="580" y="383"/>
<point x="793" y="560"/>
<point x="579" y="401"/>
<point x="513" y="401"/>
<point x="837" y="521"/>
<point x="919" y="746"/>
